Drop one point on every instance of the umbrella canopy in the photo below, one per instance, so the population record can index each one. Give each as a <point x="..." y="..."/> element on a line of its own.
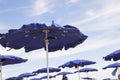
<point x="114" y="55"/>
<point x="26" y="75"/>
<point x="87" y="70"/>
<point x="33" y="36"/>
<point x="9" y="59"/>
<point x="13" y="78"/>
<point x="35" y="79"/>
<point x="63" y="73"/>
<point x="44" y="70"/>
<point x="76" y="63"/>
<point x="114" y="65"/>
<point x="36" y="36"/>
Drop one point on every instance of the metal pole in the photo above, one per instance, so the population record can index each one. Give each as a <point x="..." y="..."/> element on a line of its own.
<point x="78" y="72"/>
<point x="47" y="42"/>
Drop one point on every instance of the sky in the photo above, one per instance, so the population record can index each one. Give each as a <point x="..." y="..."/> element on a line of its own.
<point x="98" y="19"/>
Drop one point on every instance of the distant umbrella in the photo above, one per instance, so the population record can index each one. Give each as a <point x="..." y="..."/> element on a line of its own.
<point x="114" y="65"/>
<point x="13" y="78"/>
<point x="35" y="79"/>
<point x="36" y="36"/>
<point x="26" y="75"/>
<point x="76" y="63"/>
<point x="9" y="59"/>
<point x="44" y="70"/>
<point x="114" y="55"/>
<point x="87" y="70"/>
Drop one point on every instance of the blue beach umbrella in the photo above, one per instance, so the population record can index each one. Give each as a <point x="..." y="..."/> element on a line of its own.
<point x="36" y="36"/>
<point x="77" y="63"/>
<point x="87" y="70"/>
<point x="26" y="75"/>
<point x="9" y="59"/>
<point x="44" y="70"/>
<point x="14" y="78"/>
<point x="114" y="55"/>
<point x="114" y="65"/>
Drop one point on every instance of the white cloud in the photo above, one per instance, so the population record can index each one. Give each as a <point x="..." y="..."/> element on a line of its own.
<point x="73" y="1"/>
<point x="13" y="9"/>
<point x="3" y="27"/>
<point x="108" y="9"/>
<point x="40" y="7"/>
<point x="90" y="13"/>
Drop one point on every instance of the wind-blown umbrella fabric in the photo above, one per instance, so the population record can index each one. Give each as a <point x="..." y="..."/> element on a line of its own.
<point x="114" y="55"/>
<point x="9" y="59"/>
<point x="32" y="37"/>
<point x="77" y="62"/>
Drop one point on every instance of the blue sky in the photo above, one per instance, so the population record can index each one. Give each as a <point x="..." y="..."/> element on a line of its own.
<point x="98" y="19"/>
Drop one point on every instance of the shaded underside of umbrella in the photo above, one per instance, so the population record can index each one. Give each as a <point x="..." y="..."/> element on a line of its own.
<point x="76" y="63"/>
<point x="114" y="65"/>
<point x="44" y="70"/>
<point x="9" y="59"/>
<point x="87" y="70"/>
<point x="32" y="37"/>
<point x="114" y="55"/>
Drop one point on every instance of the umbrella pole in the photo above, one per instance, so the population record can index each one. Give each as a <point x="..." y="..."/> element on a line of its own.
<point x="78" y="72"/>
<point x="46" y="42"/>
<point x="87" y="74"/>
<point x="1" y="70"/>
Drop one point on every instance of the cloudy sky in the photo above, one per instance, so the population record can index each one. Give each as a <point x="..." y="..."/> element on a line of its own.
<point x="98" y="19"/>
